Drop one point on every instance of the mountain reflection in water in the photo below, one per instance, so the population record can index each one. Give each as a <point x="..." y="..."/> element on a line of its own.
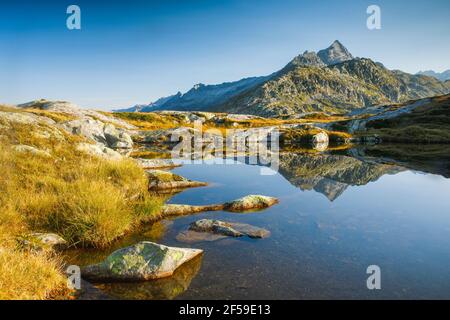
<point x="384" y="205"/>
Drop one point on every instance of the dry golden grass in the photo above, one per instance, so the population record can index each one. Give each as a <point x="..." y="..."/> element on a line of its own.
<point x="151" y="121"/>
<point x="86" y="200"/>
<point x="30" y="276"/>
<point x="151" y="155"/>
<point x="56" y="116"/>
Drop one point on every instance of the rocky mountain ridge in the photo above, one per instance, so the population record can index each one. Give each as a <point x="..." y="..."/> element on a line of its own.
<point x="331" y="81"/>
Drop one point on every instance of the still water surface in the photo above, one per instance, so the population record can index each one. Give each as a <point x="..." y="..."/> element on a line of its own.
<point x="337" y="215"/>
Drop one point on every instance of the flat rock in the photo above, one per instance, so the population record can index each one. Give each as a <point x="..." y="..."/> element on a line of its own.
<point x="142" y="261"/>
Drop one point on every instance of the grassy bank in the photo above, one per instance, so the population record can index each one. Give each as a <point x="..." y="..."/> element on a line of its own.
<point x="426" y="124"/>
<point x="88" y="201"/>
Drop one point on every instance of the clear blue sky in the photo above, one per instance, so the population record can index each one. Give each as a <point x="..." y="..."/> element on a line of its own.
<point x="130" y="52"/>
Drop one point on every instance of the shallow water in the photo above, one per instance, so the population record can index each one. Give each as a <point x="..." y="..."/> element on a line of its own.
<point x="337" y="215"/>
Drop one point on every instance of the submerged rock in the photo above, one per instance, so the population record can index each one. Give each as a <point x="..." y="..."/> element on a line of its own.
<point x="162" y="180"/>
<point x="211" y="230"/>
<point x="142" y="261"/>
<point x="190" y="236"/>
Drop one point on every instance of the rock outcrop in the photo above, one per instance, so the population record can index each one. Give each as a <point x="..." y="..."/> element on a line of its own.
<point x="93" y="125"/>
<point x="103" y="134"/>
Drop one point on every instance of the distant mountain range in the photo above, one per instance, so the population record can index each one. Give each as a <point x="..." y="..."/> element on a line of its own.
<point x="443" y="76"/>
<point x="330" y="81"/>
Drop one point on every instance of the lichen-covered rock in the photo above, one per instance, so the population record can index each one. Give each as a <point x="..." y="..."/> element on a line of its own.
<point x="142" y="261"/>
<point x="160" y="289"/>
<point x="250" y="202"/>
<point x="163" y="180"/>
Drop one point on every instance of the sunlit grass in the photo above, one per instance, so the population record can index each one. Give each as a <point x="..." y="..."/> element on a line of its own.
<point x="86" y="200"/>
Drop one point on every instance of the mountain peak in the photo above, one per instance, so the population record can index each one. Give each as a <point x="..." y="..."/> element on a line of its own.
<point x="336" y="53"/>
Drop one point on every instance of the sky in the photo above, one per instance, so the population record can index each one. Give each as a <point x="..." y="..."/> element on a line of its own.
<point x="133" y="52"/>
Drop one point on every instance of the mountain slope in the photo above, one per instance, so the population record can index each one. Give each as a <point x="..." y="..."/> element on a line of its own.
<point x="201" y="97"/>
<point x="330" y="81"/>
<point x="338" y="88"/>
